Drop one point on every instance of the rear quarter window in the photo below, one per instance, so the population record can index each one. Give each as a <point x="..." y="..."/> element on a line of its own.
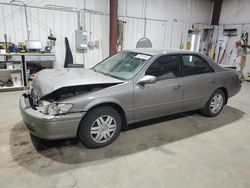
<point x="194" y="64"/>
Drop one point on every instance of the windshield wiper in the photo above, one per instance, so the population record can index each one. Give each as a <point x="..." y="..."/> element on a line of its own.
<point x="107" y="74"/>
<point x="117" y="77"/>
<point x="100" y="72"/>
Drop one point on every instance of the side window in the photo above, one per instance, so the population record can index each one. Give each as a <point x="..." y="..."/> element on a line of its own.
<point x="165" y="67"/>
<point x="193" y="64"/>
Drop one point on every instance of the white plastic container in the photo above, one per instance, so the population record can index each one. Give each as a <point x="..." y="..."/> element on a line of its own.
<point x="17" y="66"/>
<point x="9" y="65"/>
<point x="16" y="79"/>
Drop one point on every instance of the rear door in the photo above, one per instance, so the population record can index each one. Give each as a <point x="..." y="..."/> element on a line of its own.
<point x="164" y="96"/>
<point x="198" y="81"/>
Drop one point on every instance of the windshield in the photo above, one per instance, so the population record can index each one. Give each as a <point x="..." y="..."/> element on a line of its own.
<point x="123" y="65"/>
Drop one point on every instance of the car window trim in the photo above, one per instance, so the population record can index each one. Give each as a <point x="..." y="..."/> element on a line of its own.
<point x="189" y="54"/>
<point x="179" y="62"/>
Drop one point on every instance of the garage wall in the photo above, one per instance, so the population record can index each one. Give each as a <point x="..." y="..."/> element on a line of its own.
<point x="99" y="5"/>
<point x="163" y="29"/>
<point x="167" y="21"/>
<point x="62" y="24"/>
<point x="234" y="14"/>
<point x="185" y="10"/>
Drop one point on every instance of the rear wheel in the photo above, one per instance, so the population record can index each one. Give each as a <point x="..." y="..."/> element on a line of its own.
<point x="100" y="127"/>
<point x="215" y="104"/>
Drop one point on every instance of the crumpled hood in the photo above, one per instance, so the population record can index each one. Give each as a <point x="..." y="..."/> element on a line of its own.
<point x="49" y="80"/>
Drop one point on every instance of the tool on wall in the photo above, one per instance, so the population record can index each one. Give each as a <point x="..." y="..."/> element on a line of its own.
<point x="223" y="54"/>
<point x="120" y="36"/>
<point x="221" y="41"/>
<point x="207" y="37"/>
<point x="222" y="57"/>
<point x="232" y="32"/>
<point x="210" y="43"/>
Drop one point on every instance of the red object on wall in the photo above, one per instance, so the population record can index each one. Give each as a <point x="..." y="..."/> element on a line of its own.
<point x="113" y="27"/>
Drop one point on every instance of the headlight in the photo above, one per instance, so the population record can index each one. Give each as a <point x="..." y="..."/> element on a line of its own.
<point x="58" y="108"/>
<point x="53" y="108"/>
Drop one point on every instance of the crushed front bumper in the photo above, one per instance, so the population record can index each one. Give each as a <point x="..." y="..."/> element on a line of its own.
<point x="49" y="126"/>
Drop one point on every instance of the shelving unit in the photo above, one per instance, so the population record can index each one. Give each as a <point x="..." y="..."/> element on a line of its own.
<point x="5" y="73"/>
<point x="10" y="70"/>
<point x="23" y="59"/>
<point x="11" y="88"/>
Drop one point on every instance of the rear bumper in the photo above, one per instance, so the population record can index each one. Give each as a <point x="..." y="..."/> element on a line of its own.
<point x="234" y="91"/>
<point x="49" y="126"/>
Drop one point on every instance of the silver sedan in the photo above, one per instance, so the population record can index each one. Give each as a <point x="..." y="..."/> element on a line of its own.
<point x="131" y="86"/>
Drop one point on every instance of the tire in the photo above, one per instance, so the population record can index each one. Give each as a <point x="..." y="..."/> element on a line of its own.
<point x="218" y="98"/>
<point x="100" y="127"/>
<point x="38" y="143"/>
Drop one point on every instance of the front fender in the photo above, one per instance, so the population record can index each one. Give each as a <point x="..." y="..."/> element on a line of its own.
<point x="101" y="101"/>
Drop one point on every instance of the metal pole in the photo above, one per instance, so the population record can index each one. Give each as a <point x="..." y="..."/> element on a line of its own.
<point x="113" y="27"/>
<point x="172" y="30"/>
<point x="164" y="36"/>
<point x="26" y="16"/>
<point x="27" y="23"/>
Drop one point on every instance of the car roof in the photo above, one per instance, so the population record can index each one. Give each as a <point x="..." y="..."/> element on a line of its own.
<point x="159" y="51"/>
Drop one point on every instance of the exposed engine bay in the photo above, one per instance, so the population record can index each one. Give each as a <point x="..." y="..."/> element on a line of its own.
<point x="71" y="91"/>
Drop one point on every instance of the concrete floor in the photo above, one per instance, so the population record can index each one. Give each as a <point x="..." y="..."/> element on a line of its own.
<point x="185" y="150"/>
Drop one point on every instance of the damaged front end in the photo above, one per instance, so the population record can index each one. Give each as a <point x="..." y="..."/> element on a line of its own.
<point x="71" y="91"/>
<point x="50" y="104"/>
<point x="54" y="106"/>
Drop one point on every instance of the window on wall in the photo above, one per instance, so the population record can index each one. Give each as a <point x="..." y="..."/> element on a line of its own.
<point x="193" y="64"/>
<point x="165" y="67"/>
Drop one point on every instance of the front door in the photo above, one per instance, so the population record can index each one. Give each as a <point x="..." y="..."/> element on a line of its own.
<point x="163" y="97"/>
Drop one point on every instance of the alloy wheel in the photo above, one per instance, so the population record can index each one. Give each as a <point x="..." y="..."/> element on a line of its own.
<point x="216" y="103"/>
<point x="103" y="129"/>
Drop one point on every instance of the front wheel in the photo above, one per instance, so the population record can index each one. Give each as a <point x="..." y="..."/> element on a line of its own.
<point x="100" y="127"/>
<point x="215" y="104"/>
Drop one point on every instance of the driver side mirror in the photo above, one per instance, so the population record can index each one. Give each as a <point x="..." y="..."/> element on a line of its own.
<point x="147" y="79"/>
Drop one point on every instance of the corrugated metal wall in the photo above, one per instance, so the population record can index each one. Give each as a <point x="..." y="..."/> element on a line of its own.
<point x="62" y="24"/>
<point x="162" y="33"/>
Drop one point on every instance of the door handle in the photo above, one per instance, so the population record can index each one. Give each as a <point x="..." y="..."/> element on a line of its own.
<point x="213" y="81"/>
<point x="177" y="87"/>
